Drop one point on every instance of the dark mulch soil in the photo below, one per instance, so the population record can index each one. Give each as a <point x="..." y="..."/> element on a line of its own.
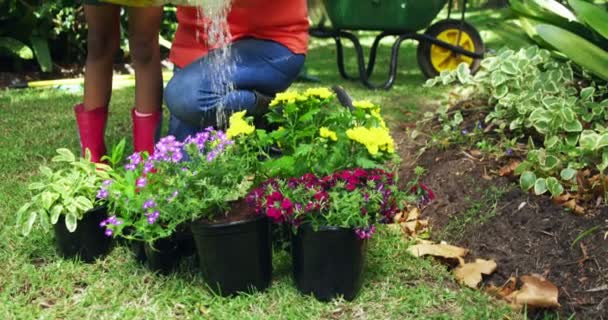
<point x="535" y="237"/>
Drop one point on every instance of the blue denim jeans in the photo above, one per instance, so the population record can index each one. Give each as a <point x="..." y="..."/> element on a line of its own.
<point x="265" y="66"/>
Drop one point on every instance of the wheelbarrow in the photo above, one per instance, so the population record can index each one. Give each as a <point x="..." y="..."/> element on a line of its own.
<point x="443" y="46"/>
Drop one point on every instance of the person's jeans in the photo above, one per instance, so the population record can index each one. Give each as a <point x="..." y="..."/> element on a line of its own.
<point x="265" y="66"/>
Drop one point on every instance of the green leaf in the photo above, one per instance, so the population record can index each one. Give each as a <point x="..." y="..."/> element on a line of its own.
<point x="501" y="91"/>
<point x="551" y="142"/>
<point x="551" y="162"/>
<point x="463" y="73"/>
<point x="46" y="171"/>
<point x="27" y="226"/>
<point x="592" y="15"/>
<point x="16" y="47"/>
<point x="498" y="78"/>
<point x="56" y="211"/>
<point x="71" y="222"/>
<point x="588" y="140"/>
<point x="522" y="167"/>
<point x="540" y="186"/>
<point x="554" y="186"/>
<point x="47" y="199"/>
<point x="36" y="186"/>
<point x="64" y="155"/>
<point x="573" y="126"/>
<point x="527" y="180"/>
<point x="567" y="174"/>
<point x="587" y="93"/>
<point x="508" y="67"/>
<point x="572" y="139"/>
<point x="602" y="141"/>
<point x="42" y="52"/>
<point x="365" y="163"/>
<point x="578" y="49"/>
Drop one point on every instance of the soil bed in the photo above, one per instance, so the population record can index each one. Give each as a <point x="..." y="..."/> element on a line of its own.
<point x="523" y="233"/>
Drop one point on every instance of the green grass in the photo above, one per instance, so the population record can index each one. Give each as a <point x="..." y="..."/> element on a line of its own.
<point x="479" y="212"/>
<point x="35" y="283"/>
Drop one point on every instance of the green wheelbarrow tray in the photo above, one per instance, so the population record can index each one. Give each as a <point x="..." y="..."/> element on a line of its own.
<point x="442" y="46"/>
<point x="385" y="15"/>
<point x="155" y="3"/>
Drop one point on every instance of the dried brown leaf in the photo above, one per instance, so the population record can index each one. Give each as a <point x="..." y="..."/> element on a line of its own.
<point x="413" y="214"/>
<point x="562" y="198"/>
<point x="571" y="204"/>
<point x="509" y="168"/>
<point x="536" y="292"/>
<point x="437" y="250"/>
<point x="475" y="153"/>
<point x="470" y="273"/>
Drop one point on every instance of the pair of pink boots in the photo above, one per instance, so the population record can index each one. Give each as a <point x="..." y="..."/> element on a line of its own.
<point x="92" y="127"/>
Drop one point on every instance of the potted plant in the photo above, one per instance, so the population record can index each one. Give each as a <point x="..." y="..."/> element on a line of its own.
<point x="329" y="183"/>
<point x="332" y="218"/>
<point x="233" y="242"/>
<point x="66" y="198"/>
<point x="147" y="205"/>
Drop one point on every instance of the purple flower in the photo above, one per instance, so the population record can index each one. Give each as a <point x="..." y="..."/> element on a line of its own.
<point x="170" y="198"/>
<point x="130" y="167"/>
<point x="509" y="151"/>
<point x="479" y="125"/>
<point x="148" y="166"/>
<point x="135" y="158"/>
<point x="464" y="131"/>
<point x="152" y="217"/>
<point x="107" y="183"/>
<point x="108" y="232"/>
<point x="141" y="182"/>
<point x="149" y="204"/>
<point x="168" y="149"/>
<point x="102" y="194"/>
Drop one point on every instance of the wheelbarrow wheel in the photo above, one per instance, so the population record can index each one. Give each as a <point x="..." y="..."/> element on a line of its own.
<point x="433" y="59"/>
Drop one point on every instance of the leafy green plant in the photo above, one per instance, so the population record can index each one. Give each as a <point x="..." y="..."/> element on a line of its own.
<point x="69" y="190"/>
<point x="195" y="179"/>
<point x="580" y="34"/>
<point x="316" y="134"/>
<point x="533" y="97"/>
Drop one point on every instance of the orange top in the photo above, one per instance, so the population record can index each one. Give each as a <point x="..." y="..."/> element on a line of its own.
<point x="283" y="21"/>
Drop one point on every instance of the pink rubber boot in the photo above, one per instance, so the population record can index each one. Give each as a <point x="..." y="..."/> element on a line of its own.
<point x="146" y="130"/>
<point x="91" y="130"/>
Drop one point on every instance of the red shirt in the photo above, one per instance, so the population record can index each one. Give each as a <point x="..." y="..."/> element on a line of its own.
<point x="283" y="21"/>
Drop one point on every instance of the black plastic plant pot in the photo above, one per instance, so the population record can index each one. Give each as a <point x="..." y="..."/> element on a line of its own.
<point x="236" y="256"/>
<point x="88" y="241"/>
<point x="329" y="262"/>
<point x="163" y="255"/>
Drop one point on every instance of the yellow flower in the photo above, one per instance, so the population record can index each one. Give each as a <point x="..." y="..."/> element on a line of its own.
<point x="376" y="114"/>
<point x="287" y="97"/>
<point x="322" y="93"/>
<point x="364" y="104"/>
<point x="326" y="133"/>
<point x="374" y="139"/>
<point x="238" y="125"/>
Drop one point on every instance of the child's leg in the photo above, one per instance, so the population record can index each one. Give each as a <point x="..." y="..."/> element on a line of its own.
<point x="144" y="26"/>
<point x="102" y="44"/>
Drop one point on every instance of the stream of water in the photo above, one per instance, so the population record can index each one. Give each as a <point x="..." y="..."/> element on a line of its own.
<point x="212" y="16"/>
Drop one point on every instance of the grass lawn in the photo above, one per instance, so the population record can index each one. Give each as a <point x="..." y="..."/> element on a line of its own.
<point x="35" y="283"/>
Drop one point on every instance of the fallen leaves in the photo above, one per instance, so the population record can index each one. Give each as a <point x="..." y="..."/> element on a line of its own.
<point x="469" y="274"/>
<point x="442" y="250"/>
<point x="509" y="168"/>
<point x="535" y="292"/>
<point x="568" y="200"/>
<point x="410" y="223"/>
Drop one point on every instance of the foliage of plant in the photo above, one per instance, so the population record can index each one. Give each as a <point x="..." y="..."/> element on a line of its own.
<point x="27" y="28"/>
<point x="355" y="198"/>
<point x="68" y="190"/>
<point x="181" y="182"/>
<point x="316" y="134"/>
<point x="581" y="34"/>
<point x="535" y="99"/>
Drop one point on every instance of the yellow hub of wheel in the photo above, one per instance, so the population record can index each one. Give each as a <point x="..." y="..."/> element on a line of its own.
<point x="444" y="58"/>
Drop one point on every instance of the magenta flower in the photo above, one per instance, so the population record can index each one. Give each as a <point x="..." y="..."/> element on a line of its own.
<point x="141" y="182"/>
<point x="152" y="217"/>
